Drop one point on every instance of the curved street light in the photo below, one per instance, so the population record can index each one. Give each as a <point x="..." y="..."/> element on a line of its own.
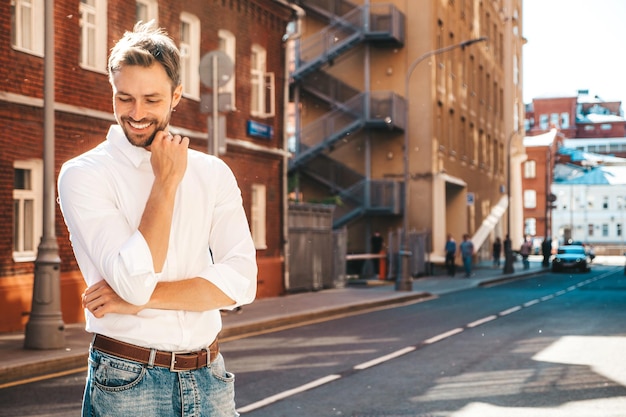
<point x="403" y="280"/>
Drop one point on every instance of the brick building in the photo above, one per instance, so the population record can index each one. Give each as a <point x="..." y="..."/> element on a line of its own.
<point x="249" y="32"/>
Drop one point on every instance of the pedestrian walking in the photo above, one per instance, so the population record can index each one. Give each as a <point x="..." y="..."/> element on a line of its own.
<point x="525" y="252"/>
<point x="467" y="252"/>
<point x="546" y="251"/>
<point x="162" y="240"/>
<point x="496" y="251"/>
<point x="450" y="251"/>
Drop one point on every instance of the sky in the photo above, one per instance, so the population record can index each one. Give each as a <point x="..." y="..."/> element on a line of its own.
<point x="574" y="45"/>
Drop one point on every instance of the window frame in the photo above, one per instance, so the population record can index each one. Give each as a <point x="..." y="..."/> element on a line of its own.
<point x="35" y="194"/>
<point x="190" y="56"/>
<point x="99" y="42"/>
<point x="151" y="8"/>
<point x="530" y="169"/>
<point x="530" y="199"/>
<point x="36" y="22"/>
<point x="262" y="85"/>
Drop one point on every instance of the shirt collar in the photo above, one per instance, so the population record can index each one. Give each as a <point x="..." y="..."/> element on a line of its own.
<point x="135" y="154"/>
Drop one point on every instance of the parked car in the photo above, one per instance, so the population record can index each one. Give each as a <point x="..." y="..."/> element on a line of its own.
<point x="571" y="257"/>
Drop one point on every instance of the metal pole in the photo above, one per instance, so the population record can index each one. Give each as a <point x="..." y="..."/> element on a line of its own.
<point x="403" y="279"/>
<point x="508" y="249"/>
<point x="45" y="328"/>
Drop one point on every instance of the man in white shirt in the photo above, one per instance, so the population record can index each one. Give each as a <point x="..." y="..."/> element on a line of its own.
<point x="162" y="240"/>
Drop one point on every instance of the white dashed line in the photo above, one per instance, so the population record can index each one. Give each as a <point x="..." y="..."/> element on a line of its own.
<point x="510" y="311"/>
<point x="288" y="393"/>
<point x="385" y="358"/>
<point x="443" y="336"/>
<point x="482" y="321"/>
<point x="531" y="302"/>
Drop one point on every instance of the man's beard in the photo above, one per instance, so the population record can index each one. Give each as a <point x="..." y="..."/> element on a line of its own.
<point x="143" y="140"/>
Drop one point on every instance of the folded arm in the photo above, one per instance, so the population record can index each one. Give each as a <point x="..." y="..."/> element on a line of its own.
<point x="188" y="294"/>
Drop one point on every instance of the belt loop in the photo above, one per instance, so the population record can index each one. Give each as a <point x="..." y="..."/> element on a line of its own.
<point x="151" y="359"/>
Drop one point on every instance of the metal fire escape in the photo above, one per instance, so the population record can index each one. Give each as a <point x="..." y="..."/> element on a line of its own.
<point x="352" y="110"/>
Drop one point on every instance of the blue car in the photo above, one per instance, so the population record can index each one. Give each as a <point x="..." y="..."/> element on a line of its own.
<point x="571" y="257"/>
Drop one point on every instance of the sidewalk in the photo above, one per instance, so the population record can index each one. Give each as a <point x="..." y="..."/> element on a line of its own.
<point x="17" y="363"/>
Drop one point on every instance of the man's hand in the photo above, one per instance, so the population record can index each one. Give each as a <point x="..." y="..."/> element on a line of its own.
<point x="100" y="299"/>
<point x="169" y="157"/>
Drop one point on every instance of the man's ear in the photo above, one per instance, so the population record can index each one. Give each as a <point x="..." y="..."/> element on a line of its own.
<point x="177" y="95"/>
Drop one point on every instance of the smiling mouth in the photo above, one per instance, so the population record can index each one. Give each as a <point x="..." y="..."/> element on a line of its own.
<point x="139" y="126"/>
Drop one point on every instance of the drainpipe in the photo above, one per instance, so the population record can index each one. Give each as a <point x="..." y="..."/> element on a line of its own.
<point x="294" y="36"/>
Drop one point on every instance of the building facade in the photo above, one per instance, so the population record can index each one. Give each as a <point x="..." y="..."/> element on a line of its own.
<point x="405" y="124"/>
<point x="537" y="176"/>
<point x="593" y="132"/>
<point x="250" y="114"/>
<point x="590" y="207"/>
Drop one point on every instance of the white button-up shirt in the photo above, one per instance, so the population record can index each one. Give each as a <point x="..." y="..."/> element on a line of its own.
<point x="103" y="193"/>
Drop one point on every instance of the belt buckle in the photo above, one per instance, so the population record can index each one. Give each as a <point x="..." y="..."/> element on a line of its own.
<point x="173" y="362"/>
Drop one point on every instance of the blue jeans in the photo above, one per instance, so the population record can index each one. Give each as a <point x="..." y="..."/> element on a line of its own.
<point x="467" y="265"/>
<point x="119" y="387"/>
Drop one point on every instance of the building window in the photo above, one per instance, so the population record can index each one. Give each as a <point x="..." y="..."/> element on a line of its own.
<point x="565" y="120"/>
<point x="530" y="226"/>
<point x="543" y="121"/>
<point x="27" y="209"/>
<point x="554" y="120"/>
<point x="530" y="169"/>
<point x="27" y="22"/>
<point x="190" y="55"/>
<point x="606" y="126"/>
<point x="530" y="199"/>
<point x="93" y="34"/>
<point x="605" y="203"/>
<point x="263" y="102"/>
<point x="228" y="46"/>
<point x="258" y="217"/>
<point x="605" y="230"/>
<point x="590" y="229"/>
<point x="619" y="229"/>
<point x="147" y="10"/>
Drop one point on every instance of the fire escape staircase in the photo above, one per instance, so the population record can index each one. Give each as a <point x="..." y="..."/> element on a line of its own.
<point x="351" y="110"/>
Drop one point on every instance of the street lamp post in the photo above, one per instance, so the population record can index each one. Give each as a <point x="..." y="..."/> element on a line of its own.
<point x="508" y="249"/>
<point x="45" y="328"/>
<point x="403" y="279"/>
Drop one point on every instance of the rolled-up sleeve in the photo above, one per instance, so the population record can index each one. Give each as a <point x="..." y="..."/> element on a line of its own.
<point x="235" y="269"/>
<point x="106" y="245"/>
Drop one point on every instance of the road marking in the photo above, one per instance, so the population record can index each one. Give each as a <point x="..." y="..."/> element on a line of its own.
<point x="442" y="336"/>
<point x="385" y="358"/>
<point x="509" y="311"/>
<point x="482" y="321"/>
<point x="530" y="303"/>
<point x="288" y="393"/>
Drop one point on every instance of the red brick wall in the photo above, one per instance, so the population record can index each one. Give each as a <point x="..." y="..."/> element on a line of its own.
<point x="21" y="136"/>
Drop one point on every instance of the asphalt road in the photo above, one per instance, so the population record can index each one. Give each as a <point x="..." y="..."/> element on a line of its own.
<point x="548" y="346"/>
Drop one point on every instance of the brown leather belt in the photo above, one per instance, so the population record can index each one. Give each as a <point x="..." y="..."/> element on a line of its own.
<point x="175" y="361"/>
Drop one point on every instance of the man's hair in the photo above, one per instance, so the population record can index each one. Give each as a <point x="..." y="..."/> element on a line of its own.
<point x="144" y="46"/>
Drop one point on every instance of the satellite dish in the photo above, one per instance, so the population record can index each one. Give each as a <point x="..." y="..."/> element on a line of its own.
<point x="224" y="66"/>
